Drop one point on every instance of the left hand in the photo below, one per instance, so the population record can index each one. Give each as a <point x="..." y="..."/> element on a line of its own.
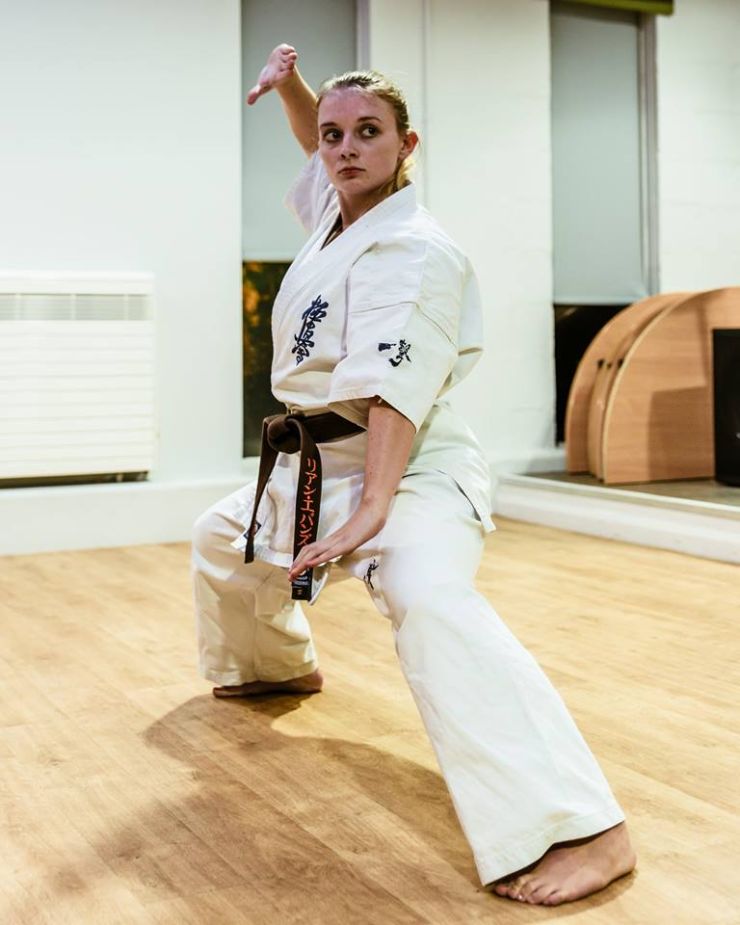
<point x="365" y="523"/>
<point x="280" y="68"/>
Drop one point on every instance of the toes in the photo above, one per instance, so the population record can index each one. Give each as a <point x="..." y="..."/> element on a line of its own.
<point x="532" y="888"/>
<point x="517" y="885"/>
<point x="554" y="898"/>
<point x="502" y="886"/>
<point x="538" y="891"/>
<point x="517" y="888"/>
<point x="510" y="890"/>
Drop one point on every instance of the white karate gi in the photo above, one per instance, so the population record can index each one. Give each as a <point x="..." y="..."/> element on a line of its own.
<point x="391" y="308"/>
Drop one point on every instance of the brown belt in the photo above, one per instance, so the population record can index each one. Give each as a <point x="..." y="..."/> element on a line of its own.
<point x="291" y="433"/>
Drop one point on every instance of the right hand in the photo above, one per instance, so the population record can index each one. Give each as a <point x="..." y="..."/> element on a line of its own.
<point x="279" y="68"/>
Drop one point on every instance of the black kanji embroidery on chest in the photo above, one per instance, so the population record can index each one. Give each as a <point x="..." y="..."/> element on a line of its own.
<point x="368" y="577"/>
<point x="304" y="338"/>
<point x="401" y="354"/>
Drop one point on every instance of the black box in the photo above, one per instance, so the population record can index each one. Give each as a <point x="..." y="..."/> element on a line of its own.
<point x="726" y="349"/>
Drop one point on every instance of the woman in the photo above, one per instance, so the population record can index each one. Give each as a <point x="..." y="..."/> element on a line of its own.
<point x="377" y="317"/>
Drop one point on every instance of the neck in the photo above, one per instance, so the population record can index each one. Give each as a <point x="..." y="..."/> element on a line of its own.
<point x="354" y="207"/>
<point x="351" y="209"/>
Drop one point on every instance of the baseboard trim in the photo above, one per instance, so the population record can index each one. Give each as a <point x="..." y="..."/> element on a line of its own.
<point x="694" y="527"/>
<point x="65" y="517"/>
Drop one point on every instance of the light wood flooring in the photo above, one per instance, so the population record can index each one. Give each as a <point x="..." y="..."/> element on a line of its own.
<point x="130" y="795"/>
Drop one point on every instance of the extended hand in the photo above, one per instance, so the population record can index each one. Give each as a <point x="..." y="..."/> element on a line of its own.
<point x="364" y="524"/>
<point x="280" y="67"/>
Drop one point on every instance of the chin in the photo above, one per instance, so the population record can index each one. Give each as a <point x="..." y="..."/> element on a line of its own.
<point x="354" y="185"/>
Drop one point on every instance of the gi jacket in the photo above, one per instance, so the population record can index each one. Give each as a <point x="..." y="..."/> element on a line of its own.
<point x="391" y="308"/>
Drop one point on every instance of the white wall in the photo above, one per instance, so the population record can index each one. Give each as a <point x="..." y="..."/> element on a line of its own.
<point x="699" y="144"/>
<point x="121" y="152"/>
<point x="480" y="71"/>
<point x="397" y="45"/>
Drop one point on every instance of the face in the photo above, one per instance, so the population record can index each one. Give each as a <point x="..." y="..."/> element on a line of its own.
<point x="359" y="141"/>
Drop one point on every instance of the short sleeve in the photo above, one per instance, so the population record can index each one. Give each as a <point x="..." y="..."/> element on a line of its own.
<point x="401" y="336"/>
<point x="311" y="195"/>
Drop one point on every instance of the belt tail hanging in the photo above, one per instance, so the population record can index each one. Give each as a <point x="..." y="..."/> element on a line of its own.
<point x="307" y="509"/>
<point x="268" y="458"/>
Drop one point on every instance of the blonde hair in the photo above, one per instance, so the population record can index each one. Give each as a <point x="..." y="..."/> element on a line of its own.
<point x="379" y="85"/>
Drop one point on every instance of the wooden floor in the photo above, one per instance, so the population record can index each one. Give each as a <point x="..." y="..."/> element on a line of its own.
<point x="130" y="795"/>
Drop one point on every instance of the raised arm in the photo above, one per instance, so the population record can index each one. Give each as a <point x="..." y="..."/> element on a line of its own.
<point x="298" y="99"/>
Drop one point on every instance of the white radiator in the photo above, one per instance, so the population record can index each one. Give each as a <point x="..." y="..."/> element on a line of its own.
<point x="76" y="376"/>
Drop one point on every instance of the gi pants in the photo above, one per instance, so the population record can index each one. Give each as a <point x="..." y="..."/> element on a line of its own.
<point x="520" y="775"/>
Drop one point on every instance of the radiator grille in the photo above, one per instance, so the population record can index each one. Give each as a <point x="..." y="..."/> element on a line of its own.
<point x="76" y="384"/>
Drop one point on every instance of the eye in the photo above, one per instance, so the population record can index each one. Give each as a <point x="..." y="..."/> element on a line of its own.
<point x="331" y="134"/>
<point x="369" y="130"/>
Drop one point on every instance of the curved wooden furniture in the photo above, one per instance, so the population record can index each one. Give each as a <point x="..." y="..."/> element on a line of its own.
<point x="658" y="422"/>
<point x="632" y="318"/>
<point x="615" y="353"/>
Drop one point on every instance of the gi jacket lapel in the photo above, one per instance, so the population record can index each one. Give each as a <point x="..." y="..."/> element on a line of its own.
<point x="313" y="263"/>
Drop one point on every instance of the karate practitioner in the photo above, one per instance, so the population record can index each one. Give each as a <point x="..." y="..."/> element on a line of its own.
<point x="376" y="319"/>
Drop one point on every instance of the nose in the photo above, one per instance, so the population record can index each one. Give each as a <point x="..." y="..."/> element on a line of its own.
<point x="347" y="149"/>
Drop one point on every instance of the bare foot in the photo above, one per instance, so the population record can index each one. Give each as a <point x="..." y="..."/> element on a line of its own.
<point x="572" y="869"/>
<point x="307" y="684"/>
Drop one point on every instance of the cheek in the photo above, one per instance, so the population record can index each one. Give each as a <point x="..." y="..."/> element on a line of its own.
<point x="325" y="154"/>
<point x="385" y="153"/>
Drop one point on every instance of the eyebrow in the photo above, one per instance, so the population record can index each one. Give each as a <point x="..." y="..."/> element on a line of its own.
<point x="359" y="119"/>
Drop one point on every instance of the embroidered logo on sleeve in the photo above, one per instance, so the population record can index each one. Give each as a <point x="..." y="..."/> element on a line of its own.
<point x="401" y="354"/>
<point x="304" y="338"/>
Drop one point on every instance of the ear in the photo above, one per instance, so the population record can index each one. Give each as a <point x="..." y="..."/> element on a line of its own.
<point x="408" y="145"/>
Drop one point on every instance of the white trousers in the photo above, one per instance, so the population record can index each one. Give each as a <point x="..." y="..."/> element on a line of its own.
<point x="520" y="774"/>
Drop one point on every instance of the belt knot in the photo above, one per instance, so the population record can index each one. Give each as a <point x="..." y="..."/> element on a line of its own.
<point x="284" y="433"/>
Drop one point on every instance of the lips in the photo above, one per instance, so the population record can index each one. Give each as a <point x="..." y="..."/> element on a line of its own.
<point x="350" y="170"/>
